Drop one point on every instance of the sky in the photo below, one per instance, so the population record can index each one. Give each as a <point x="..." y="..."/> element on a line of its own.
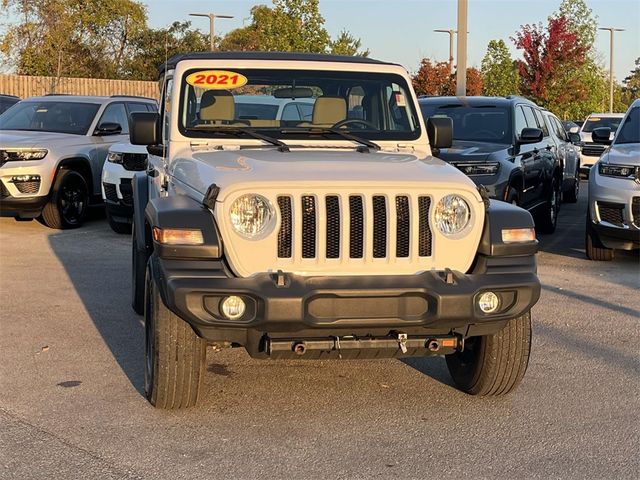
<point x="401" y="31"/>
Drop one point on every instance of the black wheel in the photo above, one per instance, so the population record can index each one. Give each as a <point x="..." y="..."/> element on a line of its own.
<point x="138" y="272"/>
<point x="594" y="248"/>
<point x="493" y="364"/>
<point x="571" y="195"/>
<point x="547" y="216"/>
<point x="175" y="356"/>
<point x="69" y="201"/>
<point x="116" y="225"/>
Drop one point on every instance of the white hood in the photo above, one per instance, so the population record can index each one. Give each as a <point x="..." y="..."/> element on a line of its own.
<point x="623" y="154"/>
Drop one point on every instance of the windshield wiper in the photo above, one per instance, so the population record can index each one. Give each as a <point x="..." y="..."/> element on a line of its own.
<point x="282" y="147"/>
<point x="347" y="136"/>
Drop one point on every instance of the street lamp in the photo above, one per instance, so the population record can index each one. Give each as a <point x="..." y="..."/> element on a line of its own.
<point x="212" y="17"/>
<point x="461" y="74"/>
<point x="451" y="33"/>
<point x="611" y="30"/>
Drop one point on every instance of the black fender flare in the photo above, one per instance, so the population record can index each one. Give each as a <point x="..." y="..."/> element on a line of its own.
<point x="140" y="187"/>
<point x="501" y="215"/>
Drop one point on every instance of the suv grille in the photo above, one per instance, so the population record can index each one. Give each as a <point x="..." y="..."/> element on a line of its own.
<point x="31" y="186"/>
<point x="592" y="149"/>
<point x="355" y="209"/>
<point x="611" y="213"/>
<point x="110" y="191"/>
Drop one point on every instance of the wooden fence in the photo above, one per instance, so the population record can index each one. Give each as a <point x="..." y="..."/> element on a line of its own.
<point x="25" y="86"/>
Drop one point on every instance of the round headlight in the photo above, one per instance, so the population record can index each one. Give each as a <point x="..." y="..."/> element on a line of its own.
<point x="251" y="215"/>
<point x="452" y="214"/>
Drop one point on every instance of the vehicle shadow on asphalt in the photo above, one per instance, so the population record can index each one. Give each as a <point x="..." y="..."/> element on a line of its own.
<point x="435" y="368"/>
<point x="101" y="276"/>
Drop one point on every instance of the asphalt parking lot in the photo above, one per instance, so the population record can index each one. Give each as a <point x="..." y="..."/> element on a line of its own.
<point x="71" y="375"/>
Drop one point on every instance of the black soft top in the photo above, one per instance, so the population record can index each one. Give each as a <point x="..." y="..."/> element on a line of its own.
<point x="275" y="56"/>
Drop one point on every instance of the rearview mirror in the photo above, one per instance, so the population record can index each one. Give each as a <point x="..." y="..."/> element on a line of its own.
<point x="108" y="128"/>
<point x="530" y="135"/>
<point x="440" y="132"/>
<point x="144" y="128"/>
<point x="601" y="135"/>
<point x="293" y="93"/>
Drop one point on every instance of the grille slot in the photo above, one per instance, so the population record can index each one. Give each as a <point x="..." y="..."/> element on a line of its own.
<point x="333" y="226"/>
<point x="402" y="227"/>
<point x="424" y="235"/>
<point x="284" y="235"/>
<point x="379" y="227"/>
<point x="611" y="212"/>
<point x="4" y="193"/>
<point x="308" y="227"/>
<point x="110" y="191"/>
<point x="635" y="210"/>
<point x="356" y="227"/>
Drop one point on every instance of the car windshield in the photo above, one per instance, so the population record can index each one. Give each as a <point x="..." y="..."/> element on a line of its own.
<point x="599" y="122"/>
<point x="484" y="123"/>
<point x="630" y="130"/>
<point x="50" y="116"/>
<point x="297" y="104"/>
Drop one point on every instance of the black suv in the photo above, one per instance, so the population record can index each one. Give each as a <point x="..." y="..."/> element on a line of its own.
<point x="504" y="144"/>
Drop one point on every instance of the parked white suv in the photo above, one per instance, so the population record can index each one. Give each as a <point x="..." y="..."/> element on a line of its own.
<point x="52" y="149"/>
<point x="613" y="215"/>
<point x="590" y="151"/>
<point x="340" y="236"/>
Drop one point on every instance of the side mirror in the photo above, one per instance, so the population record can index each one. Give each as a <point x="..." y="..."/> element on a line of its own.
<point x="143" y="128"/>
<point x="108" y="128"/>
<point x="575" y="138"/>
<point x="530" y="135"/>
<point x="440" y="132"/>
<point x="601" y="135"/>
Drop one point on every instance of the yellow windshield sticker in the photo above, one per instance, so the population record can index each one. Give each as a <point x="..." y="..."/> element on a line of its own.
<point x="595" y="119"/>
<point x="216" y="80"/>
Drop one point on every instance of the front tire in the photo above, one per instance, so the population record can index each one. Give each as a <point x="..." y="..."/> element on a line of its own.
<point x="175" y="356"/>
<point x="547" y="218"/>
<point x="117" y="226"/>
<point x="593" y="246"/>
<point x="493" y="365"/>
<point x="69" y="201"/>
<point x="571" y="195"/>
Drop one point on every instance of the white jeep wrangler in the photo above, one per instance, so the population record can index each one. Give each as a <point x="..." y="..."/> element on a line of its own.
<point x="335" y="237"/>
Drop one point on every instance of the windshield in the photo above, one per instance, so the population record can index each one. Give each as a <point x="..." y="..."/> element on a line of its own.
<point x="630" y="130"/>
<point x="297" y="104"/>
<point x="599" y="122"/>
<point x="60" y="117"/>
<point x="486" y="123"/>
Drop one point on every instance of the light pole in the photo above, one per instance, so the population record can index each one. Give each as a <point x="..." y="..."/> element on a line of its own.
<point x="212" y="17"/>
<point x="611" y="30"/>
<point x="451" y="33"/>
<point x="461" y="74"/>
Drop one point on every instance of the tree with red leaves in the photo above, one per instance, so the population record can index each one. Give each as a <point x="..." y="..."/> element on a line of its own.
<point x="551" y="56"/>
<point x="435" y="78"/>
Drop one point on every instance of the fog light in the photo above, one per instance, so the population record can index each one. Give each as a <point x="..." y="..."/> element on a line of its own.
<point x="25" y="178"/>
<point x="233" y="307"/>
<point x="489" y="302"/>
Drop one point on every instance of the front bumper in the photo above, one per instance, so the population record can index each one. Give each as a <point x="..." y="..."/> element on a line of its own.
<point x="22" y="207"/>
<point x="282" y="305"/>
<point x="117" y="191"/>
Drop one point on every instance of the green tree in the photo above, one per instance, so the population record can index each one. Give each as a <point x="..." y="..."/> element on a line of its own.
<point x="631" y="85"/>
<point x="580" y="20"/>
<point x="499" y="72"/>
<point x="71" y="37"/>
<point x="289" y="26"/>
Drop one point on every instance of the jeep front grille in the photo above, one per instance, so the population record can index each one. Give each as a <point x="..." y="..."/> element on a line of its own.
<point x="592" y="149"/>
<point x="353" y="210"/>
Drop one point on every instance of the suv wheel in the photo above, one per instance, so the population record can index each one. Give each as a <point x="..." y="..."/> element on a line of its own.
<point x="493" y="364"/>
<point x="571" y="195"/>
<point x="175" y="356"/>
<point x="69" y="201"/>
<point x="117" y="226"/>
<point x="547" y="217"/>
<point x="593" y="247"/>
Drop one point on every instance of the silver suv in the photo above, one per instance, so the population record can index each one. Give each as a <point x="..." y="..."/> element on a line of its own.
<point x="52" y="149"/>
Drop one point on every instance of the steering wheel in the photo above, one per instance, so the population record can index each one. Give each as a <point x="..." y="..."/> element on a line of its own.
<point x="486" y="133"/>
<point x="349" y="121"/>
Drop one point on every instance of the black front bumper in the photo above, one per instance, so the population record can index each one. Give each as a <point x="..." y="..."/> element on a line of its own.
<point x="22" y="207"/>
<point x="287" y="304"/>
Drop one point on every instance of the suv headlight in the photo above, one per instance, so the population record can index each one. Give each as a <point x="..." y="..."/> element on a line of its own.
<point x="22" y="154"/>
<point x="452" y="214"/>
<point x="251" y="215"/>
<point x="620" y="171"/>
<point x="115" y="157"/>
<point x="489" y="168"/>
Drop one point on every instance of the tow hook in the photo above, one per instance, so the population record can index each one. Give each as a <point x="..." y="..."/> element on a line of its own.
<point x="299" y="348"/>
<point x="402" y="342"/>
<point x="433" y="344"/>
